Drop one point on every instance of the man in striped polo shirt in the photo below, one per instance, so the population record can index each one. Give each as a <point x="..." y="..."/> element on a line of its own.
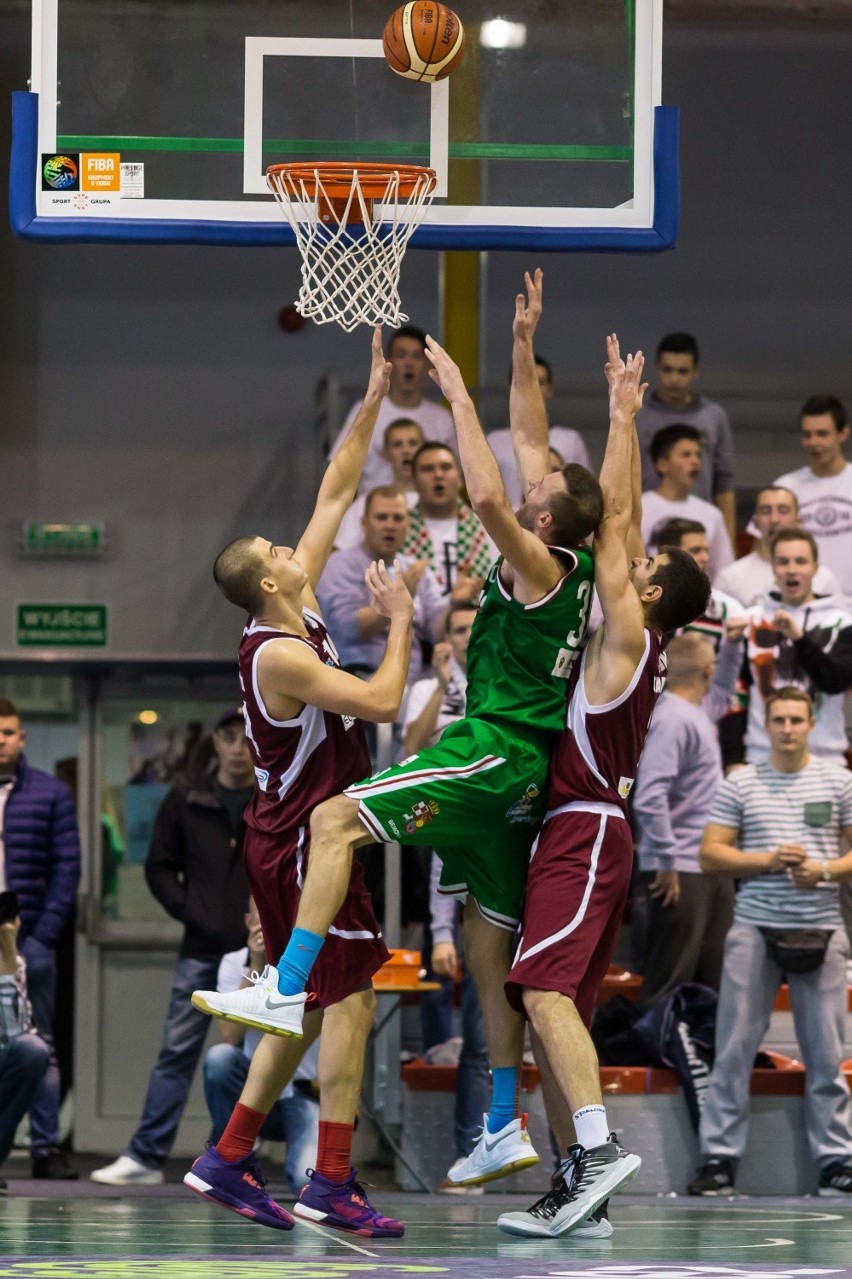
<point x="782" y="827"/>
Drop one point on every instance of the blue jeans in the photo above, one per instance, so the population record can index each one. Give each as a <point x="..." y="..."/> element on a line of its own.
<point x="292" y="1119"/>
<point x="41" y="988"/>
<point x="473" y="1085"/>
<point x="171" y="1079"/>
<point x="23" y="1062"/>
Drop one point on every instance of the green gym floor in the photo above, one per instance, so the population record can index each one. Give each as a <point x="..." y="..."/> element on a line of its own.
<point x="82" y="1231"/>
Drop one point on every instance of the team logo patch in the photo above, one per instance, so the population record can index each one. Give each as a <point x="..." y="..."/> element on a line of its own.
<point x="520" y="810"/>
<point x="422" y="813"/>
<point x="625" y="786"/>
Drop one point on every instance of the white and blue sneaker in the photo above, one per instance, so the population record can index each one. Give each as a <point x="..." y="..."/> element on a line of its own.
<point x="259" y="1006"/>
<point x="586" y="1179"/>
<point x="496" y="1154"/>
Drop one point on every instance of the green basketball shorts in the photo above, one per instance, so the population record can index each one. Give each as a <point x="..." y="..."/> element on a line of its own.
<point x="478" y="798"/>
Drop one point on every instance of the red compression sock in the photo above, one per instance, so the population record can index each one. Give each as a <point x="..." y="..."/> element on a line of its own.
<point x="334" y="1153"/>
<point x="239" y="1137"/>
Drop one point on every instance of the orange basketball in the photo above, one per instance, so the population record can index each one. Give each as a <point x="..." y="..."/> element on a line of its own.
<point x="423" y="40"/>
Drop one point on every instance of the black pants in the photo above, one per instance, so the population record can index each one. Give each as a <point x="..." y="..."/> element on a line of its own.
<point x="685" y="942"/>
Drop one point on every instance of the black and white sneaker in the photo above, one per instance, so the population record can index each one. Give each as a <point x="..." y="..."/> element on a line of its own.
<point x="586" y="1180"/>
<point x="836" y="1179"/>
<point x="715" y="1177"/>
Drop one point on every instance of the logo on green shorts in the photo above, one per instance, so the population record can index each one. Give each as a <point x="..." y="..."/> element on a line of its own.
<point x="520" y="810"/>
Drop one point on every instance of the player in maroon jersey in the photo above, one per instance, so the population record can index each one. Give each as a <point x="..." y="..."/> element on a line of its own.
<point x="303" y="726"/>
<point x="580" y="867"/>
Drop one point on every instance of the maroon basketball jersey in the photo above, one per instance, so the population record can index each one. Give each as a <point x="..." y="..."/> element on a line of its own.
<point x="298" y="762"/>
<point x="597" y="755"/>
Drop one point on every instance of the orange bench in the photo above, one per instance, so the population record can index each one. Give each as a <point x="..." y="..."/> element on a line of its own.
<point x="785" y="1079"/>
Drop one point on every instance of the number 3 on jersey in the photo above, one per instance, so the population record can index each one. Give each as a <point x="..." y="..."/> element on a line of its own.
<point x="568" y="655"/>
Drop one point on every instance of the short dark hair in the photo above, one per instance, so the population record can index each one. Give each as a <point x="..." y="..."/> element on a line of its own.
<point x="8" y="710"/>
<point x="676" y="529"/>
<point x="817" y="405"/>
<point x="789" y="693"/>
<point x="686" y="590"/>
<point x="405" y="331"/>
<point x="237" y="572"/>
<point x="382" y="490"/>
<point x="795" y="535"/>
<point x="400" y="421"/>
<point x="668" y="436"/>
<point x="429" y="446"/>
<point x="577" y="512"/>
<point x="678" y="344"/>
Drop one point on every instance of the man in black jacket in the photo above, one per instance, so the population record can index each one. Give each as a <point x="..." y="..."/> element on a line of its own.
<point x="195" y="870"/>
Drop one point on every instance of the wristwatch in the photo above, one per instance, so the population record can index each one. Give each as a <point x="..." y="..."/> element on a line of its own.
<point x="826" y="873"/>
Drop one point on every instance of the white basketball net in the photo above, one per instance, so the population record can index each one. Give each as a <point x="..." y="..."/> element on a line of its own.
<point x="350" y="270"/>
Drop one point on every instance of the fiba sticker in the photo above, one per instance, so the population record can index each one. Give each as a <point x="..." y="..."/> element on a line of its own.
<point x="520" y="811"/>
<point x="60" y="172"/>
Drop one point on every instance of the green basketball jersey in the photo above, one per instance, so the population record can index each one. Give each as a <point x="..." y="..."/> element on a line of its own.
<point x="520" y="655"/>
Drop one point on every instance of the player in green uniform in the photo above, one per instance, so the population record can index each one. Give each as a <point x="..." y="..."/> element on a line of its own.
<point x="478" y="795"/>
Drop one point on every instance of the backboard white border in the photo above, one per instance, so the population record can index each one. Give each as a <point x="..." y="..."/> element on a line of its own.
<point x="635" y="214"/>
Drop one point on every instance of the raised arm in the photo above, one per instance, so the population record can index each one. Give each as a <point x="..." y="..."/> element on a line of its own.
<point x="340" y="482"/>
<point x="527" y="412"/>
<point x="535" y="568"/>
<point x="623" y="637"/>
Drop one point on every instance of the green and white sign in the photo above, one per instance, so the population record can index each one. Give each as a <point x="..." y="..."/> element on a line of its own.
<point x="61" y="625"/>
<point x="69" y="540"/>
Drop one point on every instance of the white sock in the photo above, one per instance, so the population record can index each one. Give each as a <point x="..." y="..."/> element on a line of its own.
<point x="591" y="1126"/>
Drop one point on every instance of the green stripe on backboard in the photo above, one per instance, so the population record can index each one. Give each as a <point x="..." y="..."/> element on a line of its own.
<point x="320" y="148"/>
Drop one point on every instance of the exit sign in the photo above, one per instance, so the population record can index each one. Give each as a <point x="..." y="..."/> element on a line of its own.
<point x="61" y="625"/>
<point x="83" y="540"/>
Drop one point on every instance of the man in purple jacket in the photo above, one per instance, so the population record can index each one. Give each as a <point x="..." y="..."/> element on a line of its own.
<point x="40" y="861"/>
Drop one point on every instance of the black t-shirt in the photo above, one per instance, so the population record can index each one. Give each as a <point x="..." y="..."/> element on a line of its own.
<point x="234" y="800"/>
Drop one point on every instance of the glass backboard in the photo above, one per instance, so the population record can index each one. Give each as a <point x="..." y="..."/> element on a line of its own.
<point x="156" y="120"/>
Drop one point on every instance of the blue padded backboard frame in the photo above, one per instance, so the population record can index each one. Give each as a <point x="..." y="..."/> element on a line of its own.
<point x="28" y="225"/>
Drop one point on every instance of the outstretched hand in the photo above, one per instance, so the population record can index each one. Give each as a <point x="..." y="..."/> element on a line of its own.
<point x="445" y="372"/>
<point x="528" y="309"/>
<point x="624" y="378"/>
<point x="380" y="369"/>
<point x="390" y="596"/>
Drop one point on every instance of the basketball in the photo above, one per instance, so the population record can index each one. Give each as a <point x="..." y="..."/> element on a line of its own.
<point x="424" y="41"/>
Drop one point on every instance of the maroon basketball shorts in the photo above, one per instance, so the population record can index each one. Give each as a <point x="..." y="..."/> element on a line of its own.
<point x="353" y="950"/>
<point x="577" y="887"/>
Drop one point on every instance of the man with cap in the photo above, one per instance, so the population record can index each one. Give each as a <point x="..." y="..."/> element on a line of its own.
<point x="195" y="870"/>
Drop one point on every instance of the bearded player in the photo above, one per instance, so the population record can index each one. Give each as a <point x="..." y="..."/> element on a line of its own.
<point x="477" y="796"/>
<point x="303" y="726"/>
<point x="580" y="869"/>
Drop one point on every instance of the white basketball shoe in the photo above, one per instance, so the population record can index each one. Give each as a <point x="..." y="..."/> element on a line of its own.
<point x="496" y="1154"/>
<point x="259" y="1006"/>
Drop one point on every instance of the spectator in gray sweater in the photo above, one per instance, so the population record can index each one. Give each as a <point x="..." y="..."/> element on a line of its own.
<point x="679" y="774"/>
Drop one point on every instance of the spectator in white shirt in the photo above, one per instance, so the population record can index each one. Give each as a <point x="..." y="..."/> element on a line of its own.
<point x="567" y="443"/>
<point x="824" y="487"/>
<point x="795" y="638"/>
<point x="675" y="399"/>
<point x="402" y="439"/>
<point x="676" y="451"/>
<point x="750" y="577"/>
<point x="405" y="348"/>
<point x="444" y="530"/>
